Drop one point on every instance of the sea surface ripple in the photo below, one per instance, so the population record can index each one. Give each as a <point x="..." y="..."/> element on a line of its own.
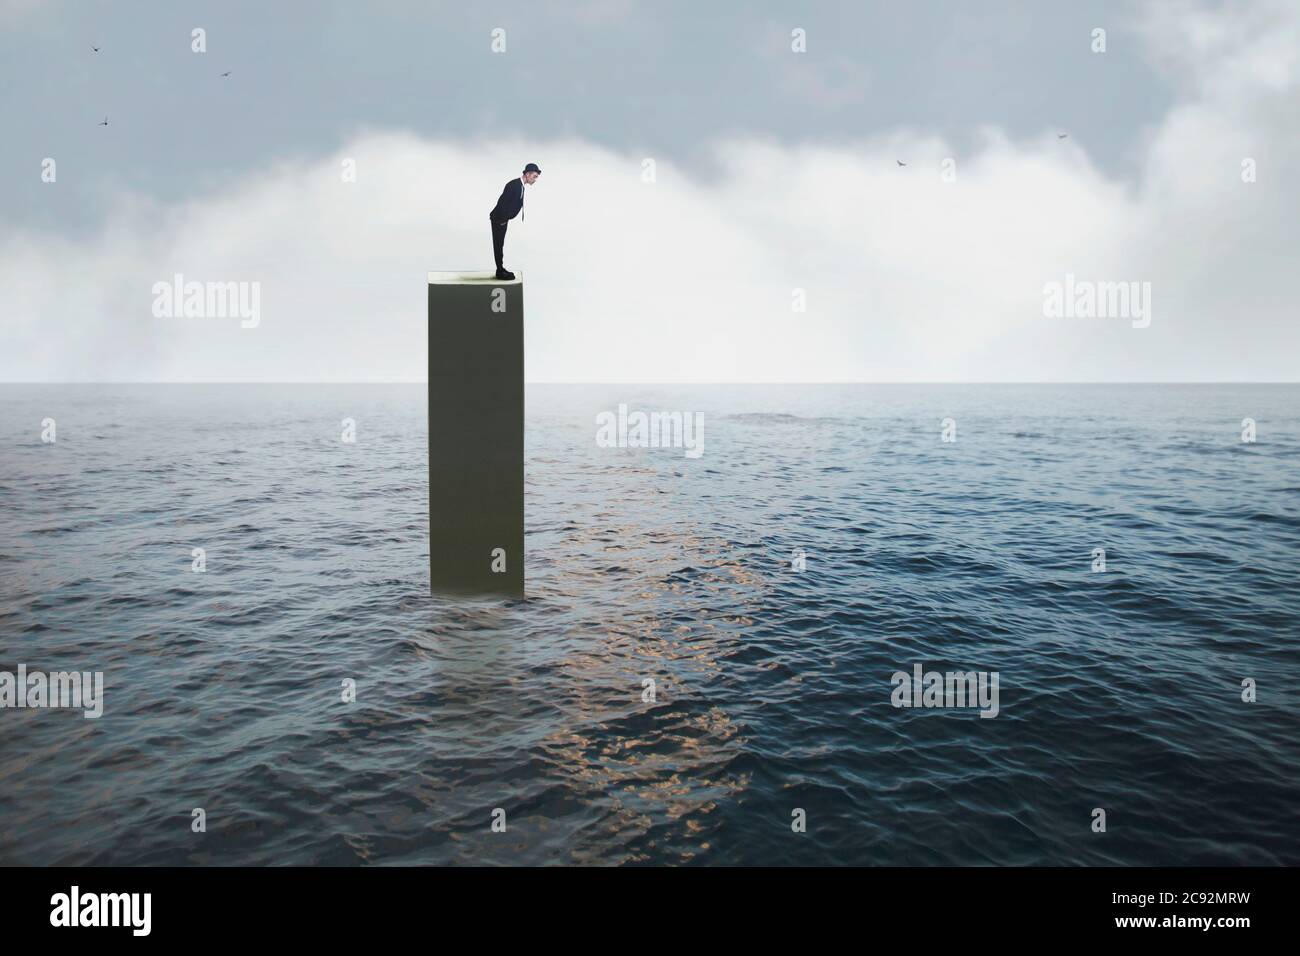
<point x="1119" y="690"/>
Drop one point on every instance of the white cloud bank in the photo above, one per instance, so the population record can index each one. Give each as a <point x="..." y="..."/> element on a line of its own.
<point x="907" y="277"/>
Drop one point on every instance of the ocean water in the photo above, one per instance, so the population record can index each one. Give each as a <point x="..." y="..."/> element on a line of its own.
<point x="1119" y="690"/>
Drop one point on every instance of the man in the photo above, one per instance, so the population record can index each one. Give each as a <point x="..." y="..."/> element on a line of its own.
<point x="508" y="206"/>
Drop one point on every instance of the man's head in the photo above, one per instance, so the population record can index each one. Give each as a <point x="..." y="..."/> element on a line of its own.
<point x="531" y="172"/>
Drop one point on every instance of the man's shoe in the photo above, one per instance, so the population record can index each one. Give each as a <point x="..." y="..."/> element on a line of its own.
<point x="503" y="274"/>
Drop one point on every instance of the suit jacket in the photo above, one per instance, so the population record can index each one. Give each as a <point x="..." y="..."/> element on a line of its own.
<point x="511" y="202"/>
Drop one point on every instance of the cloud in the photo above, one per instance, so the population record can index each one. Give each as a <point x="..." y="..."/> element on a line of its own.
<point x="829" y="81"/>
<point x="907" y="277"/>
<point x="13" y="10"/>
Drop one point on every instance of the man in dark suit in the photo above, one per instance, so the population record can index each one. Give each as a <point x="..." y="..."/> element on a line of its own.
<point x="508" y="206"/>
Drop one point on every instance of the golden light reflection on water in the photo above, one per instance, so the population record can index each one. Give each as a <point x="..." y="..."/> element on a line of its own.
<point x="677" y="769"/>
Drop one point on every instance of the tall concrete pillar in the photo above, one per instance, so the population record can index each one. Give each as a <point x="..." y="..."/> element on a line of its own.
<point x="476" y="433"/>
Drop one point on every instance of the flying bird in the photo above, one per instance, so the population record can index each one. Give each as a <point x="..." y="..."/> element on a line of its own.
<point x="900" y="162"/>
<point x="95" y="48"/>
<point x="227" y="73"/>
<point x="105" y="123"/>
<point x="1062" y="135"/>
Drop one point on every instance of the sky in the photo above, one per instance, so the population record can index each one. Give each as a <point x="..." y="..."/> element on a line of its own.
<point x="778" y="240"/>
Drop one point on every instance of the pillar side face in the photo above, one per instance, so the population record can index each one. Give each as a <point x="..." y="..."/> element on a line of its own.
<point x="476" y="435"/>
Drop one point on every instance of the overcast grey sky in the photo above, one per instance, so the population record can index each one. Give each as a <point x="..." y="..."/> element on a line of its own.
<point x="661" y="78"/>
<point x="775" y="172"/>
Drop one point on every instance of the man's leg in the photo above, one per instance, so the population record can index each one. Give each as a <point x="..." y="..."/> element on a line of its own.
<point x="499" y="242"/>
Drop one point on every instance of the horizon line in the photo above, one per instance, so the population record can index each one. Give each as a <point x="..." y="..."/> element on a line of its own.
<point x="663" y="383"/>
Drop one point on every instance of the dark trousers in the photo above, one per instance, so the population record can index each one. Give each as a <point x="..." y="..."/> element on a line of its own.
<point x="498" y="240"/>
